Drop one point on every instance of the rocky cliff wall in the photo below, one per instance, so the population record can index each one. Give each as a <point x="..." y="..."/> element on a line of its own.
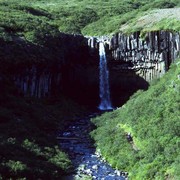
<point x="149" y="57"/>
<point x="134" y="61"/>
<point x="68" y="64"/>
<point x="63" y="64"/>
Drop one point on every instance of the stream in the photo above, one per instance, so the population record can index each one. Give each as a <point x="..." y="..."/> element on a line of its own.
<point x="75" y="141"/>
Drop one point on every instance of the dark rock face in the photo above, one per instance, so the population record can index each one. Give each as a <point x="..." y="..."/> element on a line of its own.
<point x="133" y="62"/>
<point x="68" y="64"/>
<point x="150" y="58"/>
<point x="124" y="83"/>
<point x="63" y="64"/>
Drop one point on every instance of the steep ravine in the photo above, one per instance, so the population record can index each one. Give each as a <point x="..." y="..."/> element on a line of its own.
<point x="68" y="65"/>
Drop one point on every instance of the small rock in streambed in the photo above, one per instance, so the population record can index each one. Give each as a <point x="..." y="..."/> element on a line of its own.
<point x="67" y="134"/>
<point x="95" y="167"/>
<point x="117" y="172"/>
<point x="88" y="172"/>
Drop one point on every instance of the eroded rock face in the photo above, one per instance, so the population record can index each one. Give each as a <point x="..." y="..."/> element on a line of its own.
<point x="150" y="57"/>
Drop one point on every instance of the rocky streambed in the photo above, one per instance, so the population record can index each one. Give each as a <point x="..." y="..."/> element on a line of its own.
<point x="75" y="140"/>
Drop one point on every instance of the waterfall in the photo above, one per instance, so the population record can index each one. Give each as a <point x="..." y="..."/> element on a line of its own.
<point x="104" y="92"/>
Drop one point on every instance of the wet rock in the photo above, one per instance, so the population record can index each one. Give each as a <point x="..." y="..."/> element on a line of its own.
<point x="118" y="172"/>
<point x="88" y="172"/>
<point x="95" y="167"/>
<point x="129" y="137"/>
<point x="67" y="134"/>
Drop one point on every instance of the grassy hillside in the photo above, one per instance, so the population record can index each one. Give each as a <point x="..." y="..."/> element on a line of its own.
<point x="159" y="19"/>
<point x="152" y="118"/>
<point x="36" y="19"/>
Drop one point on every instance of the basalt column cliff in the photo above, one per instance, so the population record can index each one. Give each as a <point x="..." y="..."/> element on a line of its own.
<point x="63" y="64"/>
<point x="150" y="57"/>
<point x="68" y="64"/>
<point x="134" y="61"/>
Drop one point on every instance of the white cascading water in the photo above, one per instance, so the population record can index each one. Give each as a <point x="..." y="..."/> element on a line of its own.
<point x="104" y="91"/>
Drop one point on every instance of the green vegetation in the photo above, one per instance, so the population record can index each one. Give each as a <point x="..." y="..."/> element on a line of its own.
<point x="28" y="145"/>
<point x="23" y="21"/>
<point x="36" y="19"/>
<point x="161" y="19"/>
<point x="152" y="118"/>
<point x="168" y="24"/>
<point x="31" y="34"/>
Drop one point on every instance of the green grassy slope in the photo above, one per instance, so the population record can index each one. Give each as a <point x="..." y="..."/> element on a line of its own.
<point x="20" y="20"/>
<point x="154" y="20"/>
<point x="152" y="118"/>
<point x="29" y="18"/>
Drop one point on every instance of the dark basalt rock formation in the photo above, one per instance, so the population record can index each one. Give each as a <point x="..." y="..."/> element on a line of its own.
<point x="61" y="65"/>
<point x="68" y="64"/>
<point x="149" y="57"/>
<point x="133" y="62"/>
